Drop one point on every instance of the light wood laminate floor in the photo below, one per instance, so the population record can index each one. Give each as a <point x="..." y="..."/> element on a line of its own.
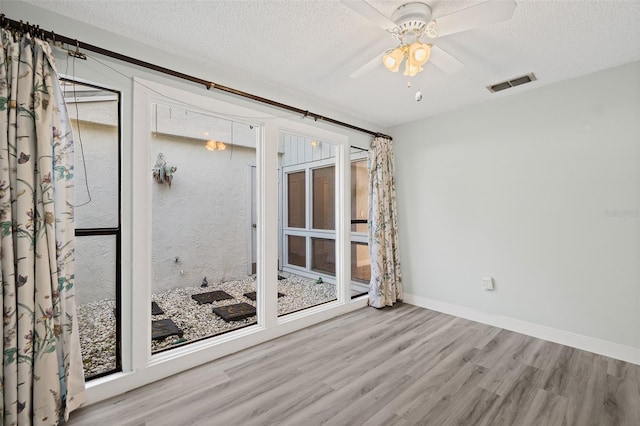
<point x="396" y="366"/>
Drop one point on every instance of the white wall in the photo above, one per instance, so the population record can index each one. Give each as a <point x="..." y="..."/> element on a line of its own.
<point x="539" y="190"/>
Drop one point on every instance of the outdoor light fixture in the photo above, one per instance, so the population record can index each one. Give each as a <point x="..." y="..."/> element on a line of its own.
<point x="415" y="55"/>
<point x="213" y="145"/>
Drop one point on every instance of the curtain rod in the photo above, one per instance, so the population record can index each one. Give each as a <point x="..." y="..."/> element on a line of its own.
<point x="36" y="31"/>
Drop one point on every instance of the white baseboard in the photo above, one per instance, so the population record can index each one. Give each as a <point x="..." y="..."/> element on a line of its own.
<point x="579" y="341"/>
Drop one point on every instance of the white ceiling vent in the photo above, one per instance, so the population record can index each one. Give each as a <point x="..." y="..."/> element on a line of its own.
<point x="512" y="83"/>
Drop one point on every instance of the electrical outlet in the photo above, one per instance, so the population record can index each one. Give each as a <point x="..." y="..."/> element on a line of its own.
<point x="487" y="282"/>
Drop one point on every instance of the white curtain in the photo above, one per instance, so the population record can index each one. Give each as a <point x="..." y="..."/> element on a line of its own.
<point x="386" y="279"/>
<point x="42" y="377"/>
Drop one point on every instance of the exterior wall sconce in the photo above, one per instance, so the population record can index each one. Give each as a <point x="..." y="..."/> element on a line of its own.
<point x="213" y="145"/>
<point x="162" y="172"/>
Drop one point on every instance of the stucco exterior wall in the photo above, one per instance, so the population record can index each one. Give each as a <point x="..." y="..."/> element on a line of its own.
<point x="95" y="270"/>
<point x="203" y="219"/>
<point x="96" y="203"/>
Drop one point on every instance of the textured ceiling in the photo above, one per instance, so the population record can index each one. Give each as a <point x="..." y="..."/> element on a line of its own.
<point x="311" y="47"/>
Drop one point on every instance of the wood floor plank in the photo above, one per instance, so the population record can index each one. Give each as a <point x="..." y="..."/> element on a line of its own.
<point x="620" y="403"/>
<point x="494" y="350"/>
<point x="510" y="408"/>
<point x="546" y="409"/>
<point x="485" y="334"/>
<point x="399" y="366"/>
<point x="544" y="356"/>
<point x="384" y="417"/>
<point x="557" y="380"/>
<point x="500" y="378"/>
<point x="455" y="391"/>
<point x="415" y="396"/>
<point x="478" y="403"/>
<point x="587" y="390"/>
<point x="323" y="409"/>
<point x="368" y="361"/>
<point x="362" y="409"/>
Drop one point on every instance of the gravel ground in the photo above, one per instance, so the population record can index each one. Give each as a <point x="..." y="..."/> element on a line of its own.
<point x="97" y="324"/>
<point x="97" y="319"/>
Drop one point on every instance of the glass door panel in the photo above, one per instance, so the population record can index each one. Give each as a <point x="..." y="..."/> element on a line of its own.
<point x="94" y="115"/>
<point x="359" y="196"/>
<point x="324" y="198"/>
<point x="97" y="307"/>
<point x="323" y="256"/>
<point x="296" y="189"/>
<point x="360" y="261"/>
<point x="308" y="261"/>
<point x="297" y="250"/>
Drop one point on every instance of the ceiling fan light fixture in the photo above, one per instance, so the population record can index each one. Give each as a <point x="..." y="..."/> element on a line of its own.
<point x="393" y="60"/>
<point x="411" y="69"/>
<point x="419" y="53"/>
<point x="431" y="30"/>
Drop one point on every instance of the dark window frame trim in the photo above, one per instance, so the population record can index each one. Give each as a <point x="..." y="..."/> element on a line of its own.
<point x="106" y="231"/>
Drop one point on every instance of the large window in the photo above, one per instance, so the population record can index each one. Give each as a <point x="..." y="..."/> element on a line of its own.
<point x="203" y="225"/>
<point x="253" y="226"/>
<point x="94" y="113"/>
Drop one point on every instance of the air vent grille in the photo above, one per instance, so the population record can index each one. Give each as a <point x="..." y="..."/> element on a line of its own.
<point x="512" y="83"/>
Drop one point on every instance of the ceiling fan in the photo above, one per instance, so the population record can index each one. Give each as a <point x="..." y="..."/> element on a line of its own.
<point x="412" y="24"/>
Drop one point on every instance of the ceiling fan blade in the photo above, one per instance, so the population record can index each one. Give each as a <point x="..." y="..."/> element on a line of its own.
<point x="370" y="13"/>
<point x="480" y="15"/>
<point x="368" y="67"/>
<point x="444" y="61"/>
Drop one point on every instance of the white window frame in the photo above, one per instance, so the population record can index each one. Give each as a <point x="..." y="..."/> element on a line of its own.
<point x="140" y="367"/>
<point x="309" y="232"/>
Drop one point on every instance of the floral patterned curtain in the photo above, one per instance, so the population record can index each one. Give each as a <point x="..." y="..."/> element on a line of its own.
<point x="386" y="280"/>
<point x="42" y="377"/>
